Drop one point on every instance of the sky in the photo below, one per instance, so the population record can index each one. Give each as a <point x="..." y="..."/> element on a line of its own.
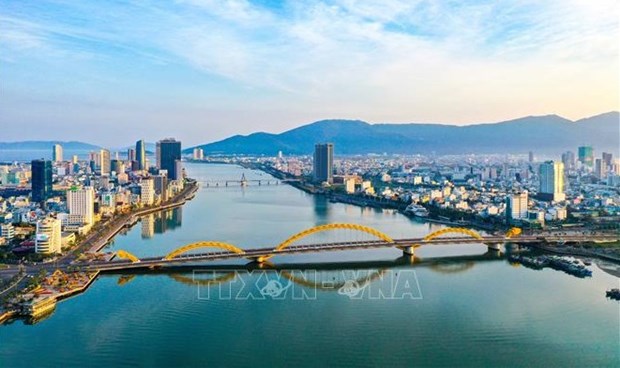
<point x="110" y="72"/>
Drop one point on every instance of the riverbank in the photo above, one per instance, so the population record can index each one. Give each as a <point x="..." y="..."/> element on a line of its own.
<point x="42" y="300"/>
<point x="39" y="304"/>
<point x="580" y="252"/>
<point x="129" y="220"/>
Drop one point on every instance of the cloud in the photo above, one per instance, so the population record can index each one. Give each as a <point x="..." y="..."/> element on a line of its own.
<point x="451" y="61"/>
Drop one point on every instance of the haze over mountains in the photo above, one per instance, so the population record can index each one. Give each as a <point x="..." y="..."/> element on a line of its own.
<point x="46" y="145"/>
<point x="550" y="134"/>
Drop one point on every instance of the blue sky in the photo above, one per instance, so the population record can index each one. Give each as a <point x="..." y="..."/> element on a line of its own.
<point x="109" y="72"/>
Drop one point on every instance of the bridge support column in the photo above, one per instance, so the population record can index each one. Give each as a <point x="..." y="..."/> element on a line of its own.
<point x="494" y="247"/>
<point x="409" y="251"/>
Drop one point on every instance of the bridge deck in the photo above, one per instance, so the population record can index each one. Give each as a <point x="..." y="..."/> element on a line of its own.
<point x="336" y="246"/>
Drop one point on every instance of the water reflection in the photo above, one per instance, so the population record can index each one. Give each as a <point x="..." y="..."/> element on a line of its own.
<point x="321" y="209"/>
<point x="325" y="276"/>
<point x="160" y="222"/>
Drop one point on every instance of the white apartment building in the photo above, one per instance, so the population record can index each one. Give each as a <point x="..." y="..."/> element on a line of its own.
<point x="147" y="191"/>
<point x="81" y="205"/>
<point x="48" y="238"/>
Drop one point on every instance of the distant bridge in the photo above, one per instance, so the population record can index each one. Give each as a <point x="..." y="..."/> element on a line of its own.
<point x="226" y="251"/>
<point x="243" y="182"/>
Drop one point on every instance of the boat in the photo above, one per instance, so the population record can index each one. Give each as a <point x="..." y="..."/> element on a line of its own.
<point x="416" y="210"/>
<point x="613" y="294"/>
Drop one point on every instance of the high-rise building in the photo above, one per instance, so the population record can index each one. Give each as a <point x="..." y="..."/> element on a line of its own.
<point x="568" y="159"/>
<point x="48" y="236"/>
<point x="586" y="156"/>
<point x="81" y="205"/>
<point x="551" y="176"/>
<point x="117" y="166"/>
<point x="57" y="153"/>
<point x="323" y="164"/>
<point x="516" y="206"/>
<point x="147" y="192"/>
<point x="104" y="156"/>
<point x="600" y="169"/>
<point x="41" y="180"/>
<point x="168" y="152"/>
<point x="531" y="157"/>
<point x="131" y="154"/>
<point x="161" y="186"/>
<point x="608" y="158"/>
<point x="7" y="231"/>
<point x="141" y="155"/>
<point x="198" y="153"/>
<point x="74" y="159"/>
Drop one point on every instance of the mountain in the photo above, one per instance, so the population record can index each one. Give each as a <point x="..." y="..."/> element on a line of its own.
<point x="550" y="134"/>
<point x="47" y="145"/>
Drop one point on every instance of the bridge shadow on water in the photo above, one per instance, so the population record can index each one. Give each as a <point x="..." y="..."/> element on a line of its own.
<point x="451" y="264"/>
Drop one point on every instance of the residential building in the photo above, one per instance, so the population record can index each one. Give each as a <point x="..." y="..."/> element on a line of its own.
<point x="48" y="236"/>
<point x="57" y="153"/>
<point x="147" y="191"/>
<point x="161" y="186"/>
<point x="198" y="153"/>
<point x="516" y="206"/>
<point x="551" y="176"/>
<point x="568" y="159"/>
<point x="586" y="156"/>
<point x="600" y="169"/>
<point x="117" y="166"/>
<point x="104" y="156"/>
<point x="141" y="155"/>
<point x="7" y="231"/>
<point x="81" y="205"/>
<point x="323" y="165"/>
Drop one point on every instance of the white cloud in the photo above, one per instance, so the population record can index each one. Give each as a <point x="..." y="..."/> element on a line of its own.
<point x="377" y="59"/>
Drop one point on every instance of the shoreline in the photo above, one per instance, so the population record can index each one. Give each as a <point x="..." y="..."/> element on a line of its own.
<point x="182" y="198"/>
<point x="132" y="219"/>
<point x="360" y="202"/>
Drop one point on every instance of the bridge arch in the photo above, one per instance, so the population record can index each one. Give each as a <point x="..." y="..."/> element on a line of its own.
<point x="126" y="255"/>
<point x="204" y="244"/>
<point x="328" y="227"/>
<point x="338" y="226"/>
<point x="409" y="250"/>
<point x="453" y="230"/>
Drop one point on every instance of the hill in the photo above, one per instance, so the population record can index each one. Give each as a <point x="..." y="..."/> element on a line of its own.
<point x="44" y="145"/>
<point x="550" y="134"/>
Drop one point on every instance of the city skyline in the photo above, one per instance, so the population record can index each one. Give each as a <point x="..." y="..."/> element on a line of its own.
<point x="271" y="67"/>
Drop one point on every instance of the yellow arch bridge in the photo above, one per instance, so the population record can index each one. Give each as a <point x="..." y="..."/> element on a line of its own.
<point x="289" y="245"/>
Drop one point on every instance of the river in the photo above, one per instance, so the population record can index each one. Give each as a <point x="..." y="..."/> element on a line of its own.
<point x="456" y="305"/>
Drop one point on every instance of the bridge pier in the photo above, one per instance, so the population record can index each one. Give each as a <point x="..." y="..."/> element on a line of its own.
<point x="259" y="260"/>
<point x="495" y="247"/>
<point x="409" y="251"/>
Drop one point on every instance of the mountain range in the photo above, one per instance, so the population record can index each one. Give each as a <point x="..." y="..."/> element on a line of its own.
<point x="69" y="146"/>
<point x="549" y="134"/>
<point x="47" y="145"/>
